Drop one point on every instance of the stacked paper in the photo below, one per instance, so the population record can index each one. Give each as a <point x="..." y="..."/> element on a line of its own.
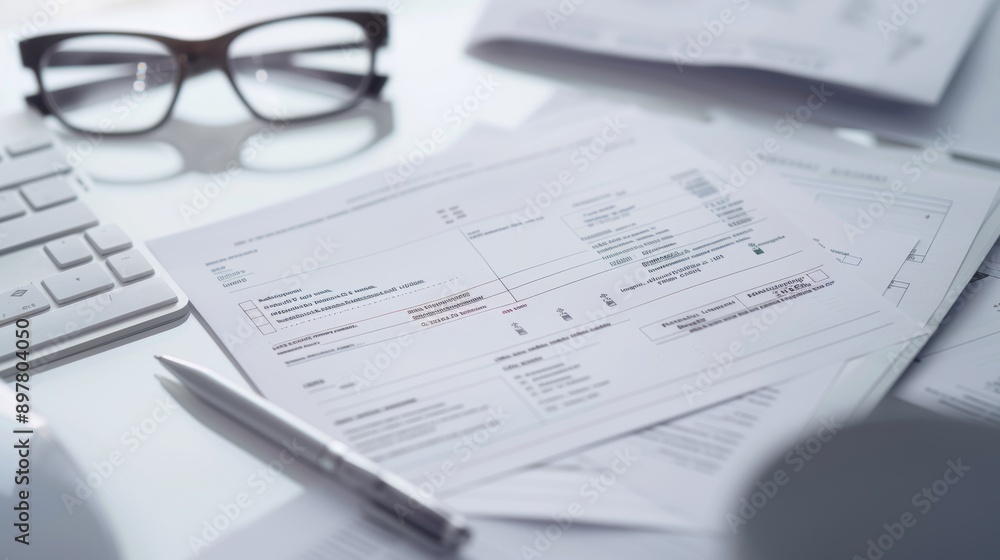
<point x="530" y="316"/>
<point x="914" y="225"/>
<point x="905" y="51"/>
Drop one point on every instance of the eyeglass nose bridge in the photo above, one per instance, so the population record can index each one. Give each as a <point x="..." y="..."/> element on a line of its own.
<point x="199" y="58"/>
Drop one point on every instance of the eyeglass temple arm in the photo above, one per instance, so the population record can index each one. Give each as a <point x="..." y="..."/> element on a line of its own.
<point x="35" y="102"/>
<point x="282" y="60"/>
<point x="278" y="59"/>
<point x="72" y="94"/>
<point x="98" y="58"/>
<point x="69" y="96"/>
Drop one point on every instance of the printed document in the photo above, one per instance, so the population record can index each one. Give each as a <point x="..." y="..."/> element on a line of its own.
<point x="899" y="50"/>
<point x="957" y="373"/>
<point x="873" y="190"/>
<point x="516" y="307"/>
<point x="706" y="457"/>
<point x="314" y="526"/>
<point x="874" y="256"/>
<point x="688" y="470"/>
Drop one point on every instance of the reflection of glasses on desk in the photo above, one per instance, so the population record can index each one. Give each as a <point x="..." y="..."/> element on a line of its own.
<point x="290" y="69"/>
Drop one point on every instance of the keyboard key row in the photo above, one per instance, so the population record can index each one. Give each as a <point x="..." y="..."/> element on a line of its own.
<point x="88" y="315"/>
<point x="28" y="144"/>
<point x="32" y="166"/>
<point x="39" y="194"/>
<point x="74" y="284"/>
<point x="78" y="283"/>
<point x="71" y="251"/>
<point x="11" y="206"/>
<point x="67" y="252"/>
<point x="130" y="266"/>
<point x="48" y="192"/>
<point x="107" y="239"/>
<point x="21" y="302"/>
<point x="43" y="226"/>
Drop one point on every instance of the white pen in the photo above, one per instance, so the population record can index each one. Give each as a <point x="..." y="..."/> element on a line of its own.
<point x="435" y="521"/>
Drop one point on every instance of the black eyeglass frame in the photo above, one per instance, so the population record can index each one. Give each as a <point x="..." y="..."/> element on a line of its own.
<point x="196" y="57"/>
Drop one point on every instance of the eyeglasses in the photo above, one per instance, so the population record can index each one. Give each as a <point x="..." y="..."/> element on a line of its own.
<point x="291" y="69"/>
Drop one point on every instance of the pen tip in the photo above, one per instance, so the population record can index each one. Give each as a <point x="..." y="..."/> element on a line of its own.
<point x="167" y="361"/>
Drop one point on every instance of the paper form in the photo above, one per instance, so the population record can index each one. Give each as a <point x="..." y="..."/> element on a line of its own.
<point x="694" y="466"/>
<point x="874" y="257"/>
<point x="991" y="265"/>
<point x="862" y="383"/>
<point x="456" y="333"/>
<point x="952" y="207"/>
<point x="967" y="105"/>
<point x="551" y="489"/>
<point x="315" y="527"/>
<point x="873" y="190"/>
<point x="688" y="469"/>
<point x="957" y="374"/>
<point x="871" y="45"/>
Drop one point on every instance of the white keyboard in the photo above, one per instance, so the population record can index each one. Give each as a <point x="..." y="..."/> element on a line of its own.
<point x="80" y="280"/>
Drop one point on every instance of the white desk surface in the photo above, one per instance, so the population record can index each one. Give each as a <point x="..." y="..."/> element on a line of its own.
<point x="175" y="479"/>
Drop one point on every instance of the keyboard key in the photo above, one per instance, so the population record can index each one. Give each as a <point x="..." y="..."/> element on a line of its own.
<point x="28" y="144"/>
<point x="10" y="206"/>
<point x="130" y="265"/>
<point x="108" y="238"/>
<point x="31" y="167"/>
<point x="43" y="226"/>
<point x="59" y="325"/>
<point x="48" y="192"/>
<point x="21" y="302"/>
<point x="67" y="252"/>
<point x="78" y="283"/>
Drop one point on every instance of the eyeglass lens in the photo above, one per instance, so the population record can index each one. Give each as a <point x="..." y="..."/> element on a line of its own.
<point x="301" y="67"/>
<point x="282" y="70"/>
<point x="110" y="83"/>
